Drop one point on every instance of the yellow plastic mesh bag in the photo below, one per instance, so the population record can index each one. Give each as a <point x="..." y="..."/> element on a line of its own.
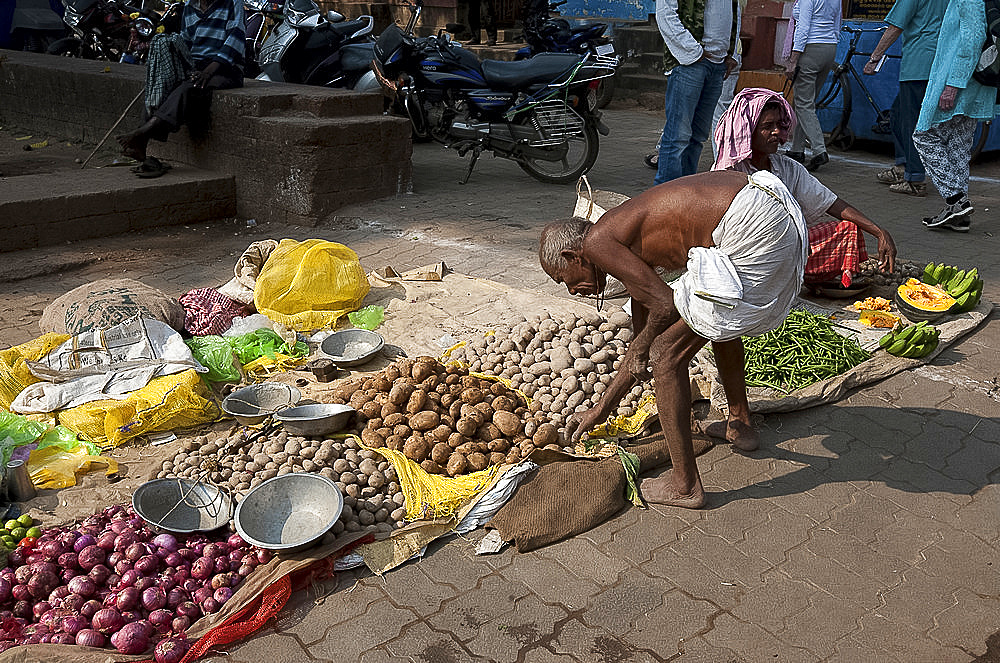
<point x="56" y="467"/>
<point x="310" y="285"/>
<point x="14" y="373"/>
<point x="430" y="496"/>
<point x="173" y="401"/>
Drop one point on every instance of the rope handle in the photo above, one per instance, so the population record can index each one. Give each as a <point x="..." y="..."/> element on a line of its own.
<point x="590" y="194"/>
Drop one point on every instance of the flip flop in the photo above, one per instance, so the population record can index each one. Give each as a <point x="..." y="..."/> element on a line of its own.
<point x="151" y="167"/>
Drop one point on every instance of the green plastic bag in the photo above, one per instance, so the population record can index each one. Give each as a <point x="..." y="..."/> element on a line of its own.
<point x="264" y="343"/>
<point x="16" y="431"/>
<point x="216" y="354"/>
<point x="368" y="317"/>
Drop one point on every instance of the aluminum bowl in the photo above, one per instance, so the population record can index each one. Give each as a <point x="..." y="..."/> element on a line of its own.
<point x="318" y="419"/>
<point x="252" y="405"/>
<point x="182" y="505"/>
<point x="289" y="513"/>
<point x="352" y="347"/>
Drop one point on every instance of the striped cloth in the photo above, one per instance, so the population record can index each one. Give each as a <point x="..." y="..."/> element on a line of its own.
<point x="836" y="249"/>
<point x="208" y="311"/>
<point x="216" y="35"/>
<point x="167" y="67"/>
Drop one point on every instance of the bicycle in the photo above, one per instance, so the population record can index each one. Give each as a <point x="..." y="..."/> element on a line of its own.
<point x="839" y="87"/>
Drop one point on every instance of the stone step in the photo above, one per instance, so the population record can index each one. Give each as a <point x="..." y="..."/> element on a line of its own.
<point x="44" y="209"/>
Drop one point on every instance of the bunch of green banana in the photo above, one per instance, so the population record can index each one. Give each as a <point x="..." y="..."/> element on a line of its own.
<point x="913" y="342"/>
<point x="965" y="286"/>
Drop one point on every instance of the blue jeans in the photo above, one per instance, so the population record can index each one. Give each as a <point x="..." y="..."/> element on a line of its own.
<point x="692" y="92"/>
<point x="903" y="115"/>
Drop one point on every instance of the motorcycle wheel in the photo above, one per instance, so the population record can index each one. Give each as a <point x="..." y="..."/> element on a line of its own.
<point x="579" y="159"/>
<point x="605" y="90"/>
<point x="66" y="48"/>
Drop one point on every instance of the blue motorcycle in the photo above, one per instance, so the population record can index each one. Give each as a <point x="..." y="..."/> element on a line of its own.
<point x="540" y="113"/>
<point x="544" y="33"/>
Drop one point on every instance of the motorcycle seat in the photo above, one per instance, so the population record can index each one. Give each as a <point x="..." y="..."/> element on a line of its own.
<point x="541" y="69"/>
<point x="347" y="29"/>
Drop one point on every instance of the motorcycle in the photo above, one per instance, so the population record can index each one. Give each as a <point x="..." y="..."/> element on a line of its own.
<point x="262" y="16"/>
<point x="113" y="30"/>
<point x="315" y="49"/>
<point x="34" y="24"/>
<point x="540" y="113"/>
<point x="552" y="34"/>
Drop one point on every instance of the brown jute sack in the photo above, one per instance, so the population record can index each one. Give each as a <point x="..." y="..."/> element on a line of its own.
<point x="107" y="302"/>
<point x="563" y="499"/>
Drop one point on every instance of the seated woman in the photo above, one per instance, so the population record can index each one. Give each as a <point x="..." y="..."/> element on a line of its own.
<point x="748" y="136"/>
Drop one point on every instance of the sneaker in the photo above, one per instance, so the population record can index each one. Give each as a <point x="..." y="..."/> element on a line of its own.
<point x="918" y="189"/>
<point x="817" y="161"/>
<point x="951" y="216"/>
<point x="892" y="175"/>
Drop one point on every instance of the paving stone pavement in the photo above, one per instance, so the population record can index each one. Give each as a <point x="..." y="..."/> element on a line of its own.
<point x="864" y="531"/>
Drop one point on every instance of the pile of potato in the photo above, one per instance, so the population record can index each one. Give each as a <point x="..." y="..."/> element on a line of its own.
<point x="373" y="499"/>
<point x="441" y="417"/>
<point x="563" y="365"/>
<point x="905" y="269"/>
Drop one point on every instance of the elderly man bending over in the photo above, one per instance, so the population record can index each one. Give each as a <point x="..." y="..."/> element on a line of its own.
<point x="743" y="242"/>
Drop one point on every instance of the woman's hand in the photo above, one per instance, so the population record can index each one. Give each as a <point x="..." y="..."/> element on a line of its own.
<point x="947" y="100"/>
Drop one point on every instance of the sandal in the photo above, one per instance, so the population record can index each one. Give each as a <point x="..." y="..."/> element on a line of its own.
<point x="151" y="167"/>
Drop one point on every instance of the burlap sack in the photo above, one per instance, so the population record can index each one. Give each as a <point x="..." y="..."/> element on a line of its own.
<point x="107" y="302"/>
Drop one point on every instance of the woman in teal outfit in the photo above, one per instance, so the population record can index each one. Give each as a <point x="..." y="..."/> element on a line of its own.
<point x="953" y="105"/>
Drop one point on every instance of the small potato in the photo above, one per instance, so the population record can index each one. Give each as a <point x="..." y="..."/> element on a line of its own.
<point x="398" y="515"/>
<point x="472" y="396"/>
<point x="477" y="461"/>
<point x="431" y="467"/>
<point x="376" y="479"/>
<point x="457" y="464"/>
<point x="366" y="518"/>
<point x="417" y="401"/>
<point x="381" y="515"/>
<point x="398" y="498"/>
<point x="424" y="421"/>
<point x="353" y="489"/>
<point x="440" y="453"/>
<point x="341" y="465"/>
<point x="416" y="450"/>
<point x="368" y="466"/>
<point x="497" y="458"/>
<point x="348" y="478"/>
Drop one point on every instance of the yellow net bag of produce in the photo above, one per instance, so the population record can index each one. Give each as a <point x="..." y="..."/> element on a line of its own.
<point x="14" y="373"/>
<point x="310" y="285"/>
<point x="173" y="401"/>
<point x="431" y="496"/>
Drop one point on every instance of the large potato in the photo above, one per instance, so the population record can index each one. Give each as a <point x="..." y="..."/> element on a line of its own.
<point x="424" y="421"/>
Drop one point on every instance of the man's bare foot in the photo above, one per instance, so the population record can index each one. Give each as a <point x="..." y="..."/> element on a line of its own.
<point x="737" y="433"/>
<point x="132" y="146"/>
<point x="660" y="490"/>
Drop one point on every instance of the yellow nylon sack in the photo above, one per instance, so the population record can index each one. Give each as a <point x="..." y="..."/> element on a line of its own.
<point x="14" y="373"/>
<point x="168" y="402"/>
<point x="310" y="285"/>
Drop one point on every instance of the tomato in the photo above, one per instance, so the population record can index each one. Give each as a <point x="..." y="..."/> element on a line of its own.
<point x="27" y="542"/>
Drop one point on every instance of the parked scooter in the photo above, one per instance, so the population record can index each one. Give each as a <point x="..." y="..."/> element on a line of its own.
<point x="34" y="24"/>
<point x="315" y="49"/>
<point x="113" y="29"/>
<point x="552" y="34"/>
<point x="539" y="113"/>
<point x="262" y="16"/>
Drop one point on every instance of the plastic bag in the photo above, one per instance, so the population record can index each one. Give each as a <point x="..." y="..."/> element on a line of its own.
<point x="14" y="373"/>
<point x="216" y="354"/>
<point x="264" y="343"/>
<point x="248" y="324"/>
<point x="310" y="285"/>
<point x="56" y="465"/>
<point x="172" y="401"/>
<point x="368" y="317"/>
<point x="16" y="431"/>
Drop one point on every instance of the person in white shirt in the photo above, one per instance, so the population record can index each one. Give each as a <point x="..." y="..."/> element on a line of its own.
<point x="814" y="48"/>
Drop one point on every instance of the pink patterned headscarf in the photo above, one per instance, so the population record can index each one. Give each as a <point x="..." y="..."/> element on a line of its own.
<point x="735" y="129"/>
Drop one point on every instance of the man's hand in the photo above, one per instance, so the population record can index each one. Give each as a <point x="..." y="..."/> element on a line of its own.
<point x="869" y="69"/>
<point x="731" y="65"/>
<point x="200" y="78"/>
<point x="886" y="253"/>
<point x="947" y="100"/>
<point x="580" y="423"/>
<point x="793" y="66"/>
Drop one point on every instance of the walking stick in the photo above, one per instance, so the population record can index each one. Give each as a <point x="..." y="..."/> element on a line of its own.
<point x="113" y="127"/>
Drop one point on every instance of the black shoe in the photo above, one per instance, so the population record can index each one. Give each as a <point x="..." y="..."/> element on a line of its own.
<point x="817" y="161"/>
<point x="797" y="156"/>
<point x="953" y="217"/>
<point x="491" y="40"/>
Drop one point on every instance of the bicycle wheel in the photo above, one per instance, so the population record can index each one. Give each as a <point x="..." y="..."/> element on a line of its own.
<point x="841" y="136"/>
<point x="984" y="135"/>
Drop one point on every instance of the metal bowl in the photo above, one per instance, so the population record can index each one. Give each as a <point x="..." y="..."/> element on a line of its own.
<point x="352" y="347"/>
<point x="289" y="513"/>
<point x="252" y="405"/>
<point x="181" y="505"/>
<point x="318" y="419"/>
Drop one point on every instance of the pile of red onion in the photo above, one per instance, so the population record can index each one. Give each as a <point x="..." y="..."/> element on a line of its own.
<point x="111" y="581"/>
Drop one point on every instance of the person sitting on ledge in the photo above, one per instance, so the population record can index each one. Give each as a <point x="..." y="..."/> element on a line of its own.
<point x="208" y="55"/>
<point x="748" y="136"/>
<point x="743" y="241"/>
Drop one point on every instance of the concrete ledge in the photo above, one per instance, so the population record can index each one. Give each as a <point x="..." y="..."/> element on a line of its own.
<point x="275" y="140"/>
<point x="52" y="208"/>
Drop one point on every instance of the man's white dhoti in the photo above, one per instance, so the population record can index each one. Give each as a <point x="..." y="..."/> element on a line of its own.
<point x="745" y="284"/>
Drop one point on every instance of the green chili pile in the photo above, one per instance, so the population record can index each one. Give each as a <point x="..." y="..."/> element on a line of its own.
<point x="803" y="350"/>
